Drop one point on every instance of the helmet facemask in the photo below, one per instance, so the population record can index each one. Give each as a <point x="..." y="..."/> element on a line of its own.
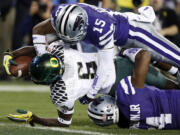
<point x="103" y="111"/>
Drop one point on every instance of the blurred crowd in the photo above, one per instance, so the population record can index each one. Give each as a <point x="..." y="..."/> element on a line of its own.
<point x="17" y="18"/>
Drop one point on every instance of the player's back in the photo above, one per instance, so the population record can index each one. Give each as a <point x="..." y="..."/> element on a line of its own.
<point x="148" y="107"/>
<point x="80" y="70"/>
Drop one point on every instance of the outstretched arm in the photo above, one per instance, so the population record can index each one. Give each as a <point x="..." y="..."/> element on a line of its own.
<point x="64" y="120"/>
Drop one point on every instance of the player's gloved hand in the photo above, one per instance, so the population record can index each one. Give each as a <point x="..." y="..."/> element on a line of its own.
<point x="7" y="61"/>
<point x="24" y="116"/>
<point x="89" y="97"/>
<point x="85" y="99"/>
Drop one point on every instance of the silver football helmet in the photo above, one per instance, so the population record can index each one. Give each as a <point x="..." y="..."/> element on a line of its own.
<point x="103" y="111"/>
<point x="71" y="23"/>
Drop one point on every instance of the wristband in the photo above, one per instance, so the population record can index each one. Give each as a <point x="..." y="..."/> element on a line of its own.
<point x="39" y="39"/>
<point x="65" y="110"/>
<point x="173" y="70"/>
<point x="131" y="53"/>
<point x="66" y="122"/>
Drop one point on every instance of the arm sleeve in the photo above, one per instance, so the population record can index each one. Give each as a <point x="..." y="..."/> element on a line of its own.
<point x="105" y="76"/>
<point x="39" y="42"/>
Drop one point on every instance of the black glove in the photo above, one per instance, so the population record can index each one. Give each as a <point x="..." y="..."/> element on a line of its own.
<point x="85" y="100"/>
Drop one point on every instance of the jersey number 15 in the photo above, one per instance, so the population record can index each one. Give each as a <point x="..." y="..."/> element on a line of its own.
<point x="99" y="23"/>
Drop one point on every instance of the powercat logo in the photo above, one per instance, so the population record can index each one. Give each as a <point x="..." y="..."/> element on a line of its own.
<point x="78" y="23"/>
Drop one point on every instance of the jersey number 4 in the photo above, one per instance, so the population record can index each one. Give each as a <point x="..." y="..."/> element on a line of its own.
<point x="159" y="122"/>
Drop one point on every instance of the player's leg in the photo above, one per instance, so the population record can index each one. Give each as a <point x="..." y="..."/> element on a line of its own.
<point x="145" y="36"/>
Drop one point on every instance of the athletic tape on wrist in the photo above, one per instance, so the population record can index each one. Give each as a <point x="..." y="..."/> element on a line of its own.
<point x="173" y="70"/>
<point x="39" y="39"/>
<point x="131" y="53"/>
<point x="65" y="110"/>
<point x="66" y="122"/>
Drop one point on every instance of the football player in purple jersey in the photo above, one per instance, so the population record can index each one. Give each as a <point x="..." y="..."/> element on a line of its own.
<point x="138" y="105"/>
<point x="104" y="29"/>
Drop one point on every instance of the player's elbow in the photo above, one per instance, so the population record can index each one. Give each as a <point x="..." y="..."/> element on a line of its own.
<point x="36" y="29"/>
<point x="176" y="29"/>
<point x="143" y="55"/>
<point x="42" y="28"/>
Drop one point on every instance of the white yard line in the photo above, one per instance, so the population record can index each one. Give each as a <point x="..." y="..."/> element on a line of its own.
<point x="19" y="88"/>
<point x="57" y="129"/>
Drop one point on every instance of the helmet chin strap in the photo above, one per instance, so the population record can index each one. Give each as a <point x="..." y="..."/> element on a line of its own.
<point x="115" y="114"/>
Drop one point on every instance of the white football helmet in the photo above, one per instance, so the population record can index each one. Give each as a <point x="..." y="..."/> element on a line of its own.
<point x="71" y="23"/>
<point x="103" y="111"/>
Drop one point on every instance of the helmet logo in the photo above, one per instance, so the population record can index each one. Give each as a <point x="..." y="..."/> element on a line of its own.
<point x="54" y="62"/>
<point x="78" y="23"/>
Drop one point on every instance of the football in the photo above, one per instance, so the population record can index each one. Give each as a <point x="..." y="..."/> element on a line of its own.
<point x="22" y="69"/>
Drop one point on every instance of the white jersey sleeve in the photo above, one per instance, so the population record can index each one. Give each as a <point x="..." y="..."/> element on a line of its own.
<point x="105" y="76"/>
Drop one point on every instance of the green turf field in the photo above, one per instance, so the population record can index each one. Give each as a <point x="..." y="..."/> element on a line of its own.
<point x="40" y="104"/>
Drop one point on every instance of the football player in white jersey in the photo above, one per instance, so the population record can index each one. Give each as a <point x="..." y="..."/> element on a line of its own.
<point x="77" y="71"/>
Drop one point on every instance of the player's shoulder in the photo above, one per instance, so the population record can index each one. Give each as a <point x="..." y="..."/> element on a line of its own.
<point x="55" y="12"/>
<point x="57" y="8"/>
<point x="126" y="87"/>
